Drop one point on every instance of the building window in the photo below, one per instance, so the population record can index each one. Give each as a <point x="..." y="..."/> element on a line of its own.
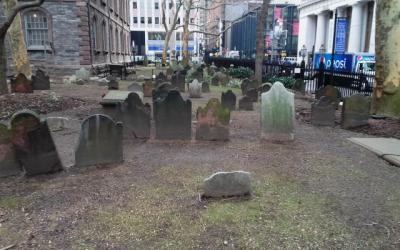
<point x="149" y="20"/>
<point x="192" y="20"/>
<point x="135" y="19"/>
<point x="93" y="30"/>
<point x="116" y="41"/>
<point x="157" y="20"/>
<point x="142" y="20"/>
<point x="103" y="36"/>
<point x="111" y="39"/>
<point x="156" y="5"/>
<point x="171" y="4"/>
<point x="134" y="5"/>
<point x="36" y="26"/>
<point x="179" y="21"/>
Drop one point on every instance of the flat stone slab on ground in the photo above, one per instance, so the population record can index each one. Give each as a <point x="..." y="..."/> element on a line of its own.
<point x="226" y="184"/>
<point x="387" y="148"/>
<point x="117" y="96"/>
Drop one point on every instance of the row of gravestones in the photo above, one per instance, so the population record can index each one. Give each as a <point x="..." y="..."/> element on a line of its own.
<point x="355" y="112"/>
<point x="40" y="81"/>
<point x="28" y="145"/>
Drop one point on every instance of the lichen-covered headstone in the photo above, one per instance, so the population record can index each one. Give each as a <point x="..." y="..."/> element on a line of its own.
<point x="213" y="122"/>
<point x="248" y="84"/>
<point x="8" y="163"/>
<point x="195" y="88"/>
<point x="173" y="117"/>
<point x="299" y="85"/>
<point x="323" y="112"/>
<point x="246" y="103"/>
<point x="277" y="114"/>
<point x="40" y="81"/>
<point x="329" y="91"/>
<point x="356" y="111"/>
<point x="135" y="87"/>
<point x="178" y="81"/>
<point x="100" y="142"/>
<point x="21" y="84"/>
<point x="136" y="117"/>
<point x="162" y="91"/>
<point x="227" y="184"/>
<point x="228" y="100"/>
<point x="205" y="88"/>
<point x="148" y="87"/>
<point x="113" y="83"/>
<point x="82" y="74"/>
<point x="34" y="145"/>
<point x="252" y="94"/>
<point x="222" y="79"/>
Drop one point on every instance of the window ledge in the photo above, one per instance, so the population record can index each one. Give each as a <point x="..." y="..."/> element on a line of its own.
<point x="39" y="48"/>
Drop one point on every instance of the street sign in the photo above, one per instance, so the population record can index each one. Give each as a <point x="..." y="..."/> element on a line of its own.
<point x="341" y="31"/>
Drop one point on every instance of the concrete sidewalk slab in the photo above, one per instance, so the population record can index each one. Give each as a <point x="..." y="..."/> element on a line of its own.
<point x="387" y="148"/>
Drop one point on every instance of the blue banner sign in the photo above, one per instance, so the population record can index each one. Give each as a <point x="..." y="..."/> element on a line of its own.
<point x="341" y="31"/>
<point x="343" y="62"/>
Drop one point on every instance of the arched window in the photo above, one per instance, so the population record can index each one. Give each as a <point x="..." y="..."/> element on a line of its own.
<point x="93" y="30"/>
<point x="103" y="36"/>
<point x="36" y="29"/>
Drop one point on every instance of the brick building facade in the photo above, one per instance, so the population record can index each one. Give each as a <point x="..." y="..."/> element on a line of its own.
<point x="64" y="35"/>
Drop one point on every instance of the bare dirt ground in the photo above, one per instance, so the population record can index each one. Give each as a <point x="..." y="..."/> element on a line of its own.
<point x="319" y="192"/>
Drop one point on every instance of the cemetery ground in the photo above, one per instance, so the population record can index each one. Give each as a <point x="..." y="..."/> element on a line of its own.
<point x="319" y="192"/>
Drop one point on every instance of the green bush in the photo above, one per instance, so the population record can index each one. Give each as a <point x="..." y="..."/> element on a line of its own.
<point x="241" y="72"/>
<point x="288" y="82"/>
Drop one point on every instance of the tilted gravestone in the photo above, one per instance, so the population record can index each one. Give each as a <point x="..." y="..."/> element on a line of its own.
<point x="135" y="87"/>
<point x="148" y="87"/>
<point x="248" y="84"/>
<point x="277" y="114"/>
<point x="21" y="84"/>
<point x="227" y="184"/>
<point x="178" y="81"/>
<point x="205" y="88"/>
<point x="323" y="112"/>
<point x="356" y="111"/>
<point x="246" y="103"/>
<point x="136" y="117"/>
<point x="228" y="100"/>
<point x="8" y="163"/>
<point x="213" y="122"/>
<point x="173" y="117"/>
<point x="100" y="142"/>
<point x="252" y="94"/>
<point x="329" y="91"/>
<point x="195" y="88"/>
<point x="113" y="83"/>
<point x="40" y="81"/>
<point x="34" y="145"/>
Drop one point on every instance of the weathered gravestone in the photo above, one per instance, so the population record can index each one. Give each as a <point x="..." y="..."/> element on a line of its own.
<point x="136" y="117"/>
<point x="148" y="87"/>
<point x="323" y="112"/>
<point x="100" y="142"/>
<point x="220" y="78"/>
<point x="178" y="81"/>
<point x="135" y="87"/>
<point x="161" y="77"/>
<point x="248" y="84"/>
<point x="34" y="146"/>
<point x="40" y="81"/>
<point x="195" y="88"/>
<point x="113" y="83"/>
<point x="329" y="91"/>
<point x="228" y="100"/>
<point x="246" y="103"/>
<point x="21" y="84"/>
<point x="213" y="122"/>
<point x="162" y="91"/>
<point x="8" y="163"/>
<point x="299" y="85"/>
<point x="277" y="114"/>
<point x="356" y="111"/>
<point x="205" y="88"/>
<point x="173" y="117"/>
<point x="227" y="184"/>
<point x="252" y="94"/>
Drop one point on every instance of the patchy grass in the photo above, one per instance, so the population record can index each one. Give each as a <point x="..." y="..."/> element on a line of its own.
<point x="167" y="215"/>
<point x="11" y="202"/>
<point x="220" y="89"/>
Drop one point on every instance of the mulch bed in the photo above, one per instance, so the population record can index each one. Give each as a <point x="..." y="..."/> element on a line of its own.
<point x="41" y="103"/>
<point x="383" y="128"/>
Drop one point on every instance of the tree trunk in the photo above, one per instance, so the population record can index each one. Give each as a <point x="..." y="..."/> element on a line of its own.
<point x="260" y="41"/>
<point x="387" y="90"/>
<point x="186" y="35"/>
<point x="17" y="42"/>
<point x="3" y="67"/>
<point x="165" y="49"/>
